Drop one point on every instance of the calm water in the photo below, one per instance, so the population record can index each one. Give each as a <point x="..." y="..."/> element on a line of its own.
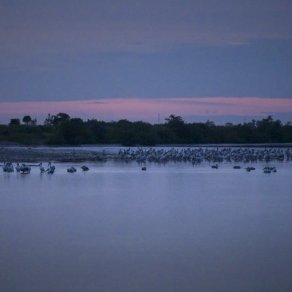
<point x="171" y="228"/>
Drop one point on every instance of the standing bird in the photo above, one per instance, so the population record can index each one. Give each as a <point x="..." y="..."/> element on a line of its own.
<point x="25" y="169"/>
<point x="71" y="169"/>
<point x="17" y="167"/>
<point x="42" y="169"/>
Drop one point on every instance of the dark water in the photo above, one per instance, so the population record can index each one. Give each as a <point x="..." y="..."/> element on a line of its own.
<point x="171" y="228"/>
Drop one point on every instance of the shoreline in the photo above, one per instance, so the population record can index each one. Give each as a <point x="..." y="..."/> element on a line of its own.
<point x="29" y="154"/>
<point x="92" y="153"/>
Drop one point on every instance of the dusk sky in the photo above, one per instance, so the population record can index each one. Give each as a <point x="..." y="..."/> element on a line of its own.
<point x="223" y="60"/>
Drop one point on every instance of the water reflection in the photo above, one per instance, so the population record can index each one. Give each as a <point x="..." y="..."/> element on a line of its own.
<point x="171" y="228"/>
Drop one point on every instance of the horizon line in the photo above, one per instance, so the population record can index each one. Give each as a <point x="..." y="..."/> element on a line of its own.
<point x="189" y="108"/>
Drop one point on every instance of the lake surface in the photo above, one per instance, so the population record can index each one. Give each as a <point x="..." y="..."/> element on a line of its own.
<point x="174" y="227"/>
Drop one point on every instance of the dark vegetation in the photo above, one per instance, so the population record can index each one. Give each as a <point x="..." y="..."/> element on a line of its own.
<point x="61" y="129"/>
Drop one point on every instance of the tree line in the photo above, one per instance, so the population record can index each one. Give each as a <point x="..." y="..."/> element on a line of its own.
<point x="61" y="129"/>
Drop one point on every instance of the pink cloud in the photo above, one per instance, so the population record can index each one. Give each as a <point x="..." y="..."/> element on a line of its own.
<point x="148" y="109"/>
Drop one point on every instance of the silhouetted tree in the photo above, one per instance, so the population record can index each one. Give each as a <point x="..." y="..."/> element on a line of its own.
<point x="14" y="122"/>
<point x="74" y="131"/>
<point x="61" y="129"/>
<point x="55" y="120"/>
<point x="27" y="120"/>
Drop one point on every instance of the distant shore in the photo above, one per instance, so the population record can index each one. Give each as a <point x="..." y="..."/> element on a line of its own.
<point x="16" y="153"/>
<point x="39" y="154"/>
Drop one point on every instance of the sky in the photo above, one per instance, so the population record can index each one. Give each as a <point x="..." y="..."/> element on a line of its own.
<point x="220" y="60"/>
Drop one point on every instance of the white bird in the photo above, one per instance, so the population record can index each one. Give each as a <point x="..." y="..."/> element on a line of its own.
<point x="42" y="169"/>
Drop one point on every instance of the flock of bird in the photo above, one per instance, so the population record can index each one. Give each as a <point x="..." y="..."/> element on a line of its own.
<point x="212" y="155"/>
<point x="192" y="155"/>
<point x="26" y="168"/>
<point x="199" y="155"/>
